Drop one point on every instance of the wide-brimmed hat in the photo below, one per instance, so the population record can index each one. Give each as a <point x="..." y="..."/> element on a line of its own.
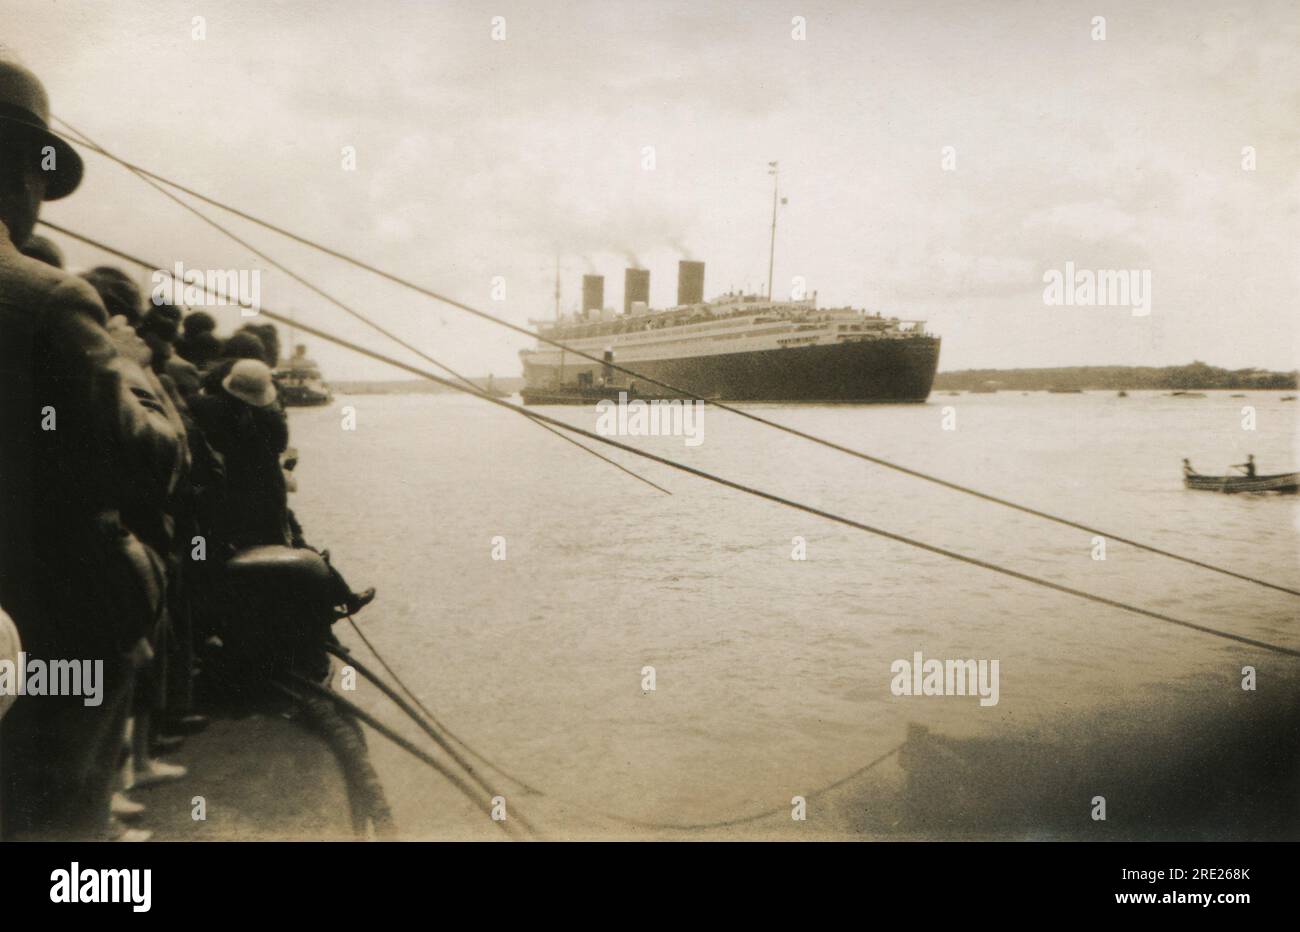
<point x="250" y="381"/>
<point x="23" y="103"/>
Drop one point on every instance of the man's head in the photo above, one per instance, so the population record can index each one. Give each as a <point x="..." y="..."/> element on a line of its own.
<point x="202" y="349"/>
<point x="270" y="338"/>
<point x="250" y="381"/>
<point x="197" y="322"/>
<point x="162" y="320"/>
<point x="35" y="164"/>
<point x="243" y="345"/>
<point x="119" y="293"/>
<point x="158" y="328"/>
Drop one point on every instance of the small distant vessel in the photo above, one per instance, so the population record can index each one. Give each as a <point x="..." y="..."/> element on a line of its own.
<point x="1287" y="482"/>
<point x="1287" y="398"/>
<point x="491" y="389"/>
<point x="1065" y="391"/>
<point x="1187" y="394"/>
<point x="1122" y="394"/>
<point x="298" y="381"/>
<point x="572" y="394"/>
<point x="587" y="389"/>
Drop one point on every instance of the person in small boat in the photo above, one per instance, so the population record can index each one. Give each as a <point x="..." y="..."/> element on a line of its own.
<point x="1187" y="468"/>
<point x="1248" y="466"/>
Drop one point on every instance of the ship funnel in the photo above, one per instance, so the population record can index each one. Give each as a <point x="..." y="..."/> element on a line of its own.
<point x="593" y="293"/>
<point x="636" y="287"/>
<point x="690" y="282"/>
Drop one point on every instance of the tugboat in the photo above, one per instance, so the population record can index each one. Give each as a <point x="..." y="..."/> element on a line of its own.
<point x="298" y="381"/>
<point x="586" y="388"/>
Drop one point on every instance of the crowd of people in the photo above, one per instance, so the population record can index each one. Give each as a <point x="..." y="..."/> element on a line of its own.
<point x="140" y="452"/>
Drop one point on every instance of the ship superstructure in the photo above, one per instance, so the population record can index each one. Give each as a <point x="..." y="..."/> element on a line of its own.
<point x="736" y="347"/>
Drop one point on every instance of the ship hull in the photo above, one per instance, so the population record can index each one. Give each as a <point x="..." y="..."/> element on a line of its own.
<point x="869" y="371"/>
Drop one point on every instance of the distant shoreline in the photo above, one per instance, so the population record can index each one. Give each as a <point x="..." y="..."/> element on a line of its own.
<point x="416" y="386"/>
<point x="1197" y="375"/>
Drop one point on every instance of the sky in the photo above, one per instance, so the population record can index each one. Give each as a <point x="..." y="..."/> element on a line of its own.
<point x="481" y="162"/>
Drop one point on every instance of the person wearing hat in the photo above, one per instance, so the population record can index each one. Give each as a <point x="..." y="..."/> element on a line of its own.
<point x="250" y="381"/>
<point x="198" y="342"/>
<point x="51" y="169"/>
<point x="243" y="422"/>
<point x="239" y="345"/>
<point x="120" y="294"/>
<point x="85" y="441"/>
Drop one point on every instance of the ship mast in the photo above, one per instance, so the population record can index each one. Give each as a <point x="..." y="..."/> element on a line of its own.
<point x="559" y="376"/>
<point x="774" y="170"/>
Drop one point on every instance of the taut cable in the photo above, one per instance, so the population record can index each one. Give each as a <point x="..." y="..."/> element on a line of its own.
<point x="712" y="477"/>
<point x="354" y="313"/>
<point x="676" y="390"/>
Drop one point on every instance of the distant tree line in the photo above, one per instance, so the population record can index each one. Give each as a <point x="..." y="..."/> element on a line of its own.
<point x="1197" y="375"/>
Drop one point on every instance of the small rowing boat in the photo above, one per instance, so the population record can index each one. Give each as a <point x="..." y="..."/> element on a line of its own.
<point x="1282" y="482"/>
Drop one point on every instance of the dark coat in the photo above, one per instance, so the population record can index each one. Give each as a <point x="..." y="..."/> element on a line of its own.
<point x="254" y="503"/>
<point x="73" y="572"/>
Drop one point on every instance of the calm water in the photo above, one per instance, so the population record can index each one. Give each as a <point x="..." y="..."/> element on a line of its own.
<point x="773" y="674"/>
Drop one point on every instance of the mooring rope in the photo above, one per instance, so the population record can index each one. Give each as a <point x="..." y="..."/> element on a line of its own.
<point x="677" y="390"/>
<point x="712" y="477"/>
<point x="433" y="719"/>
<point x="766" y="814"/>
<point x="378" y="328"/>
<point x="362" y="715"/>
<point x="343" y="734"/>
<point x="425" y="726"/>
<point x="612" y="816"/>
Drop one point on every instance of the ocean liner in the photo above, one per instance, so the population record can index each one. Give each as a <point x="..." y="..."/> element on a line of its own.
<point x="737" y="347"/>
